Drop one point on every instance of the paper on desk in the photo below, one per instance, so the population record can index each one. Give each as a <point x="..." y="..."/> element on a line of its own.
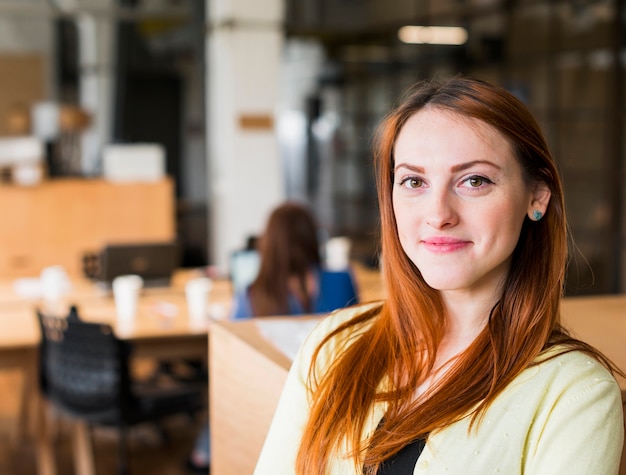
<point x="286" y="335"/>
<point x="29" y="288"/>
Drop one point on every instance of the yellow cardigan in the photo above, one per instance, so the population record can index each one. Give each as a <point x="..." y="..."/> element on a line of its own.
<point x="562" y="416"/>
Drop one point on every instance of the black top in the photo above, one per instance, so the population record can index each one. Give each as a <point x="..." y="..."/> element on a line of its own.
<point x="403" y="463"/>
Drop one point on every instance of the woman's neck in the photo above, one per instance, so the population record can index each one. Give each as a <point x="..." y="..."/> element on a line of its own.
<point x="465" y="320"/>
<point x="466" y="316"/>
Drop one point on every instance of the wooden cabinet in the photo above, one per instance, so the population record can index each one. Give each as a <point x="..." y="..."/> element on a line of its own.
<point x="56" y="222"/>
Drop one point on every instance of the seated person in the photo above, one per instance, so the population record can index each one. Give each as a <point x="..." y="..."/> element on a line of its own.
<point x="291" y="279"/>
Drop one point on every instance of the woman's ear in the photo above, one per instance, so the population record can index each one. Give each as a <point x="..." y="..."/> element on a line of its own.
<point x="539" y="201"/>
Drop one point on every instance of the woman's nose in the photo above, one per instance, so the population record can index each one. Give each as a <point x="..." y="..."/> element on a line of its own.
<point x="440" y="210"/>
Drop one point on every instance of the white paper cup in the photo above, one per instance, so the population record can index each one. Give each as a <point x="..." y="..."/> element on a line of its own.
<point x="197" y="292"/>
<point x="54" y="283"/>
<point x="126" y="290"/>
<point x="338" y="253"/>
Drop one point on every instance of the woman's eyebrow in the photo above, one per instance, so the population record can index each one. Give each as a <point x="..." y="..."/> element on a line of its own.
<point x="464" y="166"/>
<point x="409" y="167"/>
<point x="456" y="168"/>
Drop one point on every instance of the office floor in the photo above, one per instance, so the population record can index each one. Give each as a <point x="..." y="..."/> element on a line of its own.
<point x="148" y="453"/>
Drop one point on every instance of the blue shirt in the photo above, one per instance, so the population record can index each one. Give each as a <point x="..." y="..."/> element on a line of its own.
<point x="336" y="289"/>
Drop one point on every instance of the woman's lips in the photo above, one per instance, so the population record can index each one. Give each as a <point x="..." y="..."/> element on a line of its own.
<point x="444" y="244"/>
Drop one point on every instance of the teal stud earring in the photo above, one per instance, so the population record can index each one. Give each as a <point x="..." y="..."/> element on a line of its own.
<point x="537" y="215"/>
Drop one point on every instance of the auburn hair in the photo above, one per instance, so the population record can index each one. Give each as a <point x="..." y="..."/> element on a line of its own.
<point x="398" y="341"/>
<point x="289" y="250"/>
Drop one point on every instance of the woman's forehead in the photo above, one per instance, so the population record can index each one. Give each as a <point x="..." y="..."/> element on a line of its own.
<point x="433" y="127"/>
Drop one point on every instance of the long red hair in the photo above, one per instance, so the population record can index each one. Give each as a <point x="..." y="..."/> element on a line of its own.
<point x="411" y="321"/>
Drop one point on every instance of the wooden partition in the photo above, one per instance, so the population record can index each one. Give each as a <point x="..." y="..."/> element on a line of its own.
<point x="247" y="374"/>
<point x="56" y="222"/>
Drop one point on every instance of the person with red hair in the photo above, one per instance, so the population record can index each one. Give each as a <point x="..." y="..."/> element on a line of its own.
<point x="465" y="367"/>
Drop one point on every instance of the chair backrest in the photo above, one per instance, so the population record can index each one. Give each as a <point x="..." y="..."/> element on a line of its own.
<point x="72" y="315"/>
<point x="84" y="368"/>
<point x="337" y="290"/>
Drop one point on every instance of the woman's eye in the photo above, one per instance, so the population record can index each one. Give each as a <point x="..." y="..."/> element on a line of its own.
<point x="412" y="182"/>
<point x="477" y="181"/>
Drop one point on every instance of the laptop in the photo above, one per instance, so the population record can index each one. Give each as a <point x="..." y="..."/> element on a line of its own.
<point x="154" y="262"/>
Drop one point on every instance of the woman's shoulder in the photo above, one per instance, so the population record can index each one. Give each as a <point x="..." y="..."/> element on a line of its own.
<point x="565" y="360"/>
<point x="335" y="321"/>
<point x="342" y="316"/>
<point x="563" y="380"/>
<point x="563" y="369"/>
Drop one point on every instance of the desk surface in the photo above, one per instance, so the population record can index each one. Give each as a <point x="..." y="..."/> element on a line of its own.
<point x="162" y="312"/>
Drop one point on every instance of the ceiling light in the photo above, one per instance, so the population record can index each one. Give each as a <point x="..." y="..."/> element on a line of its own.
<point x="433" y="35"/>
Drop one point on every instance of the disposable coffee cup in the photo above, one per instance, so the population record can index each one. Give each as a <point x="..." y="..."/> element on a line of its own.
<point x="197" y="292"/>
<point x="54" y="282"/>
<point x="338" y="253"/>
<point x="54" y="286"/>
<point x="126" y="289"/>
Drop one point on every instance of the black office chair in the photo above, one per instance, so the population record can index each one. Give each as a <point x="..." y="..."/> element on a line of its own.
<point x="84" y="373"/>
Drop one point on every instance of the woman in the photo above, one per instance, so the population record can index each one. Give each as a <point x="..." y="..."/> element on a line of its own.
<point x="464" y="369"/>
<point x="291" y="280"/>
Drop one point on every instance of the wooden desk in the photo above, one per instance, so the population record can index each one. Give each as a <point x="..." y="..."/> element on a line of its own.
<point x="162" y="329"/>
<point x="247" y="374"/>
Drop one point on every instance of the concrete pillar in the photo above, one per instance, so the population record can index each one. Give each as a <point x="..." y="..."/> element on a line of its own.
<point x="245" y="177"/>
<point x="96" y="45"/>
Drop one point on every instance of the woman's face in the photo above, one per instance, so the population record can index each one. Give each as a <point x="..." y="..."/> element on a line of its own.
<point x="459" y="199"/>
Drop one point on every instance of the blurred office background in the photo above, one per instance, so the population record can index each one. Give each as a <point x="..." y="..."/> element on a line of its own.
<point x="255" y="101"/>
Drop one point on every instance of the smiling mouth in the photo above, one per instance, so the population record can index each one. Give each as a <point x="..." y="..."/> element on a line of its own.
<point x="445" y="245"/>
